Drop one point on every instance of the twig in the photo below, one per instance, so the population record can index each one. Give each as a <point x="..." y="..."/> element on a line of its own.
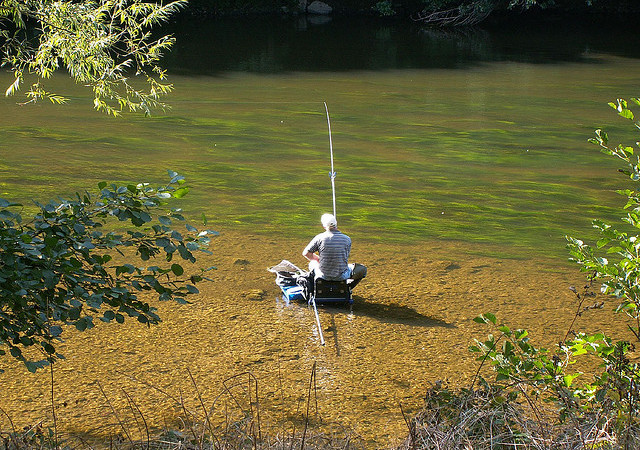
<point x="228" y="388"/>
<point x="255" y="380"/>
<point x="53" y="406"/>
<point x="534" y="409"/>
<point x="206" y="414"/>
<point x="581" y="300"/>
<point x="177" y="401"/>
<point x="12" y="426"/>
<point x="412" y="431"/>
<point x="132" y="404"/>
<point x="306" y="420"/>
<point x="189" y="422"/>
<point x="484" y="359"/>
<point x="281" y="401"/>
<point x="126" y="432"/>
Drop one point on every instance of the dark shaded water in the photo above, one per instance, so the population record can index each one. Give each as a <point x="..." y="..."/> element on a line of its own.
<point x="319" y="44"/>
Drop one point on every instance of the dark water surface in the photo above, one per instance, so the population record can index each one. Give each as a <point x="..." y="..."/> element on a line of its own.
<point x="462" y="163"/>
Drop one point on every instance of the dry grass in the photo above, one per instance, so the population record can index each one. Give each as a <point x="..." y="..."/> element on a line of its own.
<point x="453" y="419"/>
<point x="195" y="429"/>
<point x="463" y="419"/>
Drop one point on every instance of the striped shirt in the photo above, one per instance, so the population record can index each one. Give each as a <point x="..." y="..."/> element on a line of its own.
<point x="333" y="248"/>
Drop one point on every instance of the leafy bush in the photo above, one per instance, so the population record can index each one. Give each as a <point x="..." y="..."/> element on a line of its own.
<point x="384" y="8"/>
<point x="57" y="269"/>
<point x="537" y="398"/>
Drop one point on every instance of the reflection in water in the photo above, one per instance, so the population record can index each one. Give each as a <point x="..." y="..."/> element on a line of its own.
<point x="278" y="45"/>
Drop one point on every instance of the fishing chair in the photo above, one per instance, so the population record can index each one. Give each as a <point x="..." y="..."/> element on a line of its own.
<point x="326" y="291"/>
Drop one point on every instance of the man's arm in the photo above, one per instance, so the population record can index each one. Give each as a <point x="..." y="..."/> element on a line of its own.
<point x="309" y="250"/>
<point x="310" y="255"/>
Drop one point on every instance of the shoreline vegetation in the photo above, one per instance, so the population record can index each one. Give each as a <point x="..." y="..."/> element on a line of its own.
<point x="530" y="405"/>
<point x="242" y="425"/>
<point x="438" y="13"/>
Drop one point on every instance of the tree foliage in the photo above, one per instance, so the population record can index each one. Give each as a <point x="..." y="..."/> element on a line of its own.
<point x="100" y="44"/>
<point x="619" y="269"/>
<point x="453" y="13"/>
<point x="66" y="265"/>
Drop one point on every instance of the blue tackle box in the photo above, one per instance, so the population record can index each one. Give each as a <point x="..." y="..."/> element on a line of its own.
<point x="292" y="292"/>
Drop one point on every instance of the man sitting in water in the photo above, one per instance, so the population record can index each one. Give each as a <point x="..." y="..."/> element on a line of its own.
<point x="331" y="261"/>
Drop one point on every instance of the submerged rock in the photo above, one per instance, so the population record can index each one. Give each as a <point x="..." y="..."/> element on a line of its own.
<point x="318" y="7"/>
<point x="254" y="294"/>
<point x="241" y="262"/>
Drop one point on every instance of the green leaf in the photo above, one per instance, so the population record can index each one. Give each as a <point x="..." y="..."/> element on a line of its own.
<point x="162" y="242"/>
<point x="568" y="379"/>
<point x="490" y="317"/>
<point x="626" y="113"/>
<point x="81" y="324"/>
<point x="192" y="289"/>
<point x="181" y="192"/>
<point x="177" y="269"/>
<point x="48" y="348"/>
<point x="31" y="366"/>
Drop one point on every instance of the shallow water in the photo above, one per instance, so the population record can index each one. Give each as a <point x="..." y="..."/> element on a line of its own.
<point x="410" y="326"/>
<point x="457" y="184"/>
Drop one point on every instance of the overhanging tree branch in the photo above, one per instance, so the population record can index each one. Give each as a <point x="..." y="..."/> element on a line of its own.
<point x="100" y="44"/>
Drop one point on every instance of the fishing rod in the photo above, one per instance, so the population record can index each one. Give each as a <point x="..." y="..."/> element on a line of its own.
<point x="332" y="174"/>
<point x="315" y="310"/>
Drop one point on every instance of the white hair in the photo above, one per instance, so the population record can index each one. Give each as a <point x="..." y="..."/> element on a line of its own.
<point x="329" y="221"/>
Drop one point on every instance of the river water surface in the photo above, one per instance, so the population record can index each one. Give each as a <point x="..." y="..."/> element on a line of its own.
<point x="462" y="162"/>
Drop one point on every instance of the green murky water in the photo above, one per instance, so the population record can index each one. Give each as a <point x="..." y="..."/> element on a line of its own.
<point x="462" y="163"/>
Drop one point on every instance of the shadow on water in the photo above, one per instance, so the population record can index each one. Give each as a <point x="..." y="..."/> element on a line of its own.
<point x="389" y="314"/>
<point x="392" y="313"/>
